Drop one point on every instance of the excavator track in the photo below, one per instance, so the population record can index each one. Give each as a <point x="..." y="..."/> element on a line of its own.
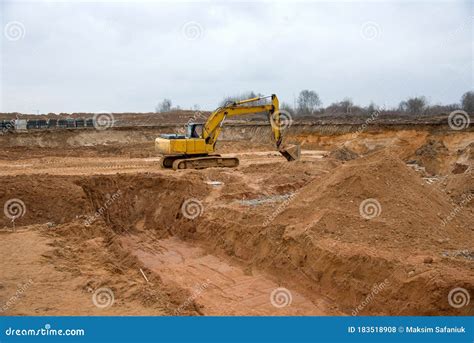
<point x="214" y="161"/>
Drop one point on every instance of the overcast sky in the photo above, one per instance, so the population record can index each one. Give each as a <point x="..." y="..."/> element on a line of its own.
<point x="127" y="56"/>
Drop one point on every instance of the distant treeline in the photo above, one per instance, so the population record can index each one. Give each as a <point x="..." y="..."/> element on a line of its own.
<point x="308" y="103"/>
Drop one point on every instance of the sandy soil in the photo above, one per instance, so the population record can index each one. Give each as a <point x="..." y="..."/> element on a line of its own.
<point x="267" y="238"/>
<point x="226" y="288"/>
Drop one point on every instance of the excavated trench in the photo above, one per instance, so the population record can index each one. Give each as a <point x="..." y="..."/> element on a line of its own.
<point x="220" y="284"/>
<point x="232" y="254"/>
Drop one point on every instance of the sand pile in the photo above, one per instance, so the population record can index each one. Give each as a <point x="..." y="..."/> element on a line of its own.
<point x="376" y="200"/>
<point x="343" y="154"/>
<point x="461" y="188"/>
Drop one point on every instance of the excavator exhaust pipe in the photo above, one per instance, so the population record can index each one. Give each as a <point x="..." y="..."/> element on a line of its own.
<point x="291" y="152"/>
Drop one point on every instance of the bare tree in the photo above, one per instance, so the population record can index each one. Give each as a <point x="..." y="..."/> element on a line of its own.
<point x="439" y="109"/>
<point x="243" y="96"/>
<point x="287" y="108"/>
<point x="308" y="102"/>
<point x="416" y="105"/>
<point x="164" y="106"/>
<point x="371" y="108"/>
<point x="346" y="106"/>
<point x="467" y="102"/>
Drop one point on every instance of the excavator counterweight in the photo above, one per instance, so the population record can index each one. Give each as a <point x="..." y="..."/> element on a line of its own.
<point x="195" y="149"/>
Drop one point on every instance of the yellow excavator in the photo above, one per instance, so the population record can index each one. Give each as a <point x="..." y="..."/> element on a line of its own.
<point x="195" y="149"/>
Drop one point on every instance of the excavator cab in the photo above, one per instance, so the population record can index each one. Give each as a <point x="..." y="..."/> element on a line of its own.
<point x="194" y="130"/>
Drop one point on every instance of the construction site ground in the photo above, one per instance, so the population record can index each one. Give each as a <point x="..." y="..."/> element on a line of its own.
<point x="267" y="238"/>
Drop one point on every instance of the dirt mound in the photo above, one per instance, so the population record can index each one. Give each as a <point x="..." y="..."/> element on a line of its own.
<point x="33" y="200"/>
<point x="343" y="154"/>
<point x="372" y="199"/>
<point x="458" y="187"/>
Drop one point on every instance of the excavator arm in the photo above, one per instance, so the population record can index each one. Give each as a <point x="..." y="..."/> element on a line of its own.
<point x="213" y="125"/>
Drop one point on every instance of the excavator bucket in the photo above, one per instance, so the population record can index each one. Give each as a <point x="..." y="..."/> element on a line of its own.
<point x="291" y="152"/>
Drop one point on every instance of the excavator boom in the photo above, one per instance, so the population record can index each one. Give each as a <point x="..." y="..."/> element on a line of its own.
<point x="213" y="125"/>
